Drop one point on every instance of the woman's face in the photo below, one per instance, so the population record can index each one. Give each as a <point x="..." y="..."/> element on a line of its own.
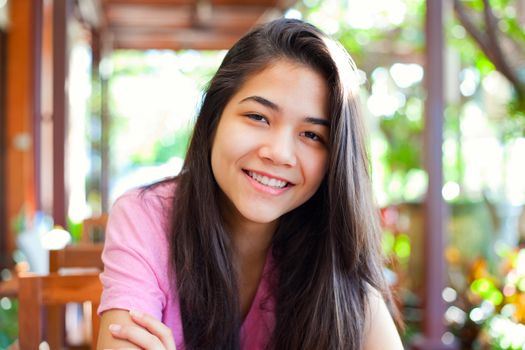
<point x="270" y="149"/>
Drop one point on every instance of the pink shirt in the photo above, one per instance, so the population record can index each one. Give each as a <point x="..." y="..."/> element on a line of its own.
<point x="136" y="274"/>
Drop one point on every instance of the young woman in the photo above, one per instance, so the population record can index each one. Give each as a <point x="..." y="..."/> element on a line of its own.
<point x="269" y="237"/>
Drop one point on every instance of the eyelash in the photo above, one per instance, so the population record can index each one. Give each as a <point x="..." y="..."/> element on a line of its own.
<point x="309" y="134"/>
<point x="313" y="136"/>
<point x="257" y="117"/>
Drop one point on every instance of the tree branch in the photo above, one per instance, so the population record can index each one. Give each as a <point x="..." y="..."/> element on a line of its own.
<point x="500" y="60"/>
<point x="489" y="43"/>
<point x="474" y="32"/>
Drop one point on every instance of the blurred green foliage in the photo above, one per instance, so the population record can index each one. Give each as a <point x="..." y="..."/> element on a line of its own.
<point x="8" y="321"/>
<point x="136" y="63"/>
<point x="163" y="150"/>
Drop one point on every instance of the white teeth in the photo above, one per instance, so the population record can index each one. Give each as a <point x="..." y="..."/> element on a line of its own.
<point x="267" y="181"/>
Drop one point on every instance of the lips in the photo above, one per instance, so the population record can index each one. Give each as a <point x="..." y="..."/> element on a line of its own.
<point x="268" y="180"/>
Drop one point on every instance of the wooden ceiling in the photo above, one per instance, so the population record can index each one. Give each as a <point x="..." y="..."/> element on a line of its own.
<point x="184" y="24"/>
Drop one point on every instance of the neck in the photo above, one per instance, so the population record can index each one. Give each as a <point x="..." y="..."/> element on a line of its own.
<point x="251" y="241"/>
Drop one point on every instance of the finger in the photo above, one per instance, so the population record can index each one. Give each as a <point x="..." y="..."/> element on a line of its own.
<point x="155" y="327"/>
<point x="136" y="335"/>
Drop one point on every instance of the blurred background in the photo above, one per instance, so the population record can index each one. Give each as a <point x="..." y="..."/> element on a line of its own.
<point x="99" y="96"/>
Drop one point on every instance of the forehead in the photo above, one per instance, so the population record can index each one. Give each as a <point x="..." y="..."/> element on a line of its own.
<point x="280" y="71"/>
<point x="289" y="85"/>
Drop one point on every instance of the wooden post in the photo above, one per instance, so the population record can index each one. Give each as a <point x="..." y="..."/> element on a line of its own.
<point x="105" y="123"/>
<point x="46" y="122"/>
<point x="21" y="108"/>
<point x="4" y="254"/>
<point x="434" y="306"/>
<point x="37" y="29"/>
<point x="30" y="312"/>
<point x="61" y="11"/>
<point x="101" y="48"/>
<point x="95" y="184"/>
<point x="104" y="174"/>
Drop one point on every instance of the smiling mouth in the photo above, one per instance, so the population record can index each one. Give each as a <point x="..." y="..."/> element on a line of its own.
<point x="267" y="181"/>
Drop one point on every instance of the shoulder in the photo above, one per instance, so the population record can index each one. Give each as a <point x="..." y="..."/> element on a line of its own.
<point x="153" y="202"/>
<point x="157" y="195"/>
<point x="380" y="330"/>
<point x="139" y="220"/>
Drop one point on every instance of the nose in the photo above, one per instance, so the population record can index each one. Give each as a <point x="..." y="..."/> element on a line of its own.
<point x="280" y="149"/>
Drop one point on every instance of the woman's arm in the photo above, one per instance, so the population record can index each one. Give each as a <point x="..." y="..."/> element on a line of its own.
<point x="380" y="331"/>
<point x="105" y="338"/>
<point x="133" y="330"/>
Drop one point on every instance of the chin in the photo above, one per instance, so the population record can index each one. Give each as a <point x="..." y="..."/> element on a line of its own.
<point x="260" y="217"/>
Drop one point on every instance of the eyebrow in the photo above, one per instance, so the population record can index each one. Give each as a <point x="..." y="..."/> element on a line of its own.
<point x="267" y="103"/>
<point x="317" y="121"/>
<point x="263" y="101"/>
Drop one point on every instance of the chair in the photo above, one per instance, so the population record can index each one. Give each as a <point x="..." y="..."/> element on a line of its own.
<point x="74" y="257"/>
<point x="82" y="255"/>
<point x="37" y="291"/>
<point x="93" y="229"/>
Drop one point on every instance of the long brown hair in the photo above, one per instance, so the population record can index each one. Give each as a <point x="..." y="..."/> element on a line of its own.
<point x="326" y="252"/>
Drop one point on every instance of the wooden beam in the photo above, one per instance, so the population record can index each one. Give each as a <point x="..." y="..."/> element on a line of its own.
<point x="267" y="3"/>
<point x="186" y="24"/>
<point x="125" y="15"/>
<point x="225" y="18"/>
<point x="188" y="39"/>
<point x="151" y="2"/>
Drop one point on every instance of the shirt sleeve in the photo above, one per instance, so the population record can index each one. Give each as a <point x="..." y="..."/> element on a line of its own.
<point x="134" y="256"/>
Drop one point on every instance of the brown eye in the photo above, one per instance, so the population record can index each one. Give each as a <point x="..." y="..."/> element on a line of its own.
<point x="257" y="117"/>
<point x="312" y="135"/>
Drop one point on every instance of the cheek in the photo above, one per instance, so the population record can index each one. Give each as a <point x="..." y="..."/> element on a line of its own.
<point x="316" y="168"/>
<point x="229" y="145"/>
<point x="217" y="153"/>
<point x="314" y="172"/>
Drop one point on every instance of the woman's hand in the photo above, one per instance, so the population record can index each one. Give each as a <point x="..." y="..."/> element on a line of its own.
<point x="148" y="333"/>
